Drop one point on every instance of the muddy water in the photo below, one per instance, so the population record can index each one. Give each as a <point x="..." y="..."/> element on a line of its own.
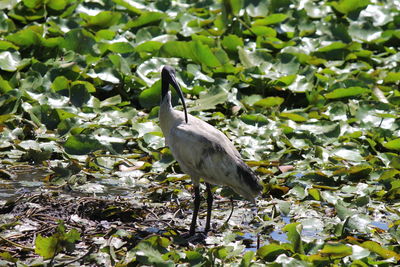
<point x="19" y="180"/>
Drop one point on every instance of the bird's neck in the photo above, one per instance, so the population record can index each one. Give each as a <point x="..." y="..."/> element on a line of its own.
<point x="166" y="101"/>
<point x="167" y="115"/>
<point x="165" y="90"/>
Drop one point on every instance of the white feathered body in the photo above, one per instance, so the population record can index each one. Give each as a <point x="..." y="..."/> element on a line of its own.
<point x="202" y="151"/>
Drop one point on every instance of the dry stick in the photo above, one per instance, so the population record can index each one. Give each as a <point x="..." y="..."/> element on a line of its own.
<point x="158" y="218"/>
<point x="116" y="157"/>
<point x="77" y="259"/>
<point x="16" y="244"/>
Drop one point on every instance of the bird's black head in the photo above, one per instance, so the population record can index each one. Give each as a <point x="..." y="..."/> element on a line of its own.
<point x="168" y="78"/>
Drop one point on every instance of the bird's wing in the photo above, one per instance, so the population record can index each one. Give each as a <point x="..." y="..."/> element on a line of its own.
<point x="202" y="151"/>
<point x="193" y="141"/>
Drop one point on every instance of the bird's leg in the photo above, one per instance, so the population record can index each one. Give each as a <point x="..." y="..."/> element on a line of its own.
<point x="195" y="210"/>
<point x="209" y="207"/>
<point x="230" y="215"/>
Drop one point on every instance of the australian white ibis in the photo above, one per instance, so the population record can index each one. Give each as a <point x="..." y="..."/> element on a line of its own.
<point x="202" y="151"/>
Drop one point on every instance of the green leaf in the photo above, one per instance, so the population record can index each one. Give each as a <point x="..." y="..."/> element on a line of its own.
<point x="346" y="92"/>
<point x="393" y="144"/>
<point x="271" y="252"/>
<point x="378" y="249"/>
<point x="392" y="77"/>
<point x="4" y="85"/>
<point x="47" y="115"/>
<point x="333" y="46"/>
<point x="261" y="31"/>
<point x="150" y="97"/>
<point x="79" y="95"/>
<point x="72" y="236"/>
<point x="146" y="254"/>
<point x="314" y="193"/>
<point x="8" y="257"/>
<point x="105" y="35"/>
<point x="348" y="154"/>
<point x="293" y="233"/>
<point x="293" y="116"/>
<point x="33" y="3"/>
<point x="231" y="42"/>
<point x="215" y="96"/>
<point x="235" y="6"/>
<point x="4" y="45"/>
<point x="111" y="101"/>
<point x="57" y="4"/>
<point x="60" y="83"/>
<point x="336" y="250"/>
<point x="80" y="41"/>
<point x="347" y="6"/>
<point x="194" y="50"/>
<point x="129" y="5"/>
<point x="254" y="58"/>
<point x="82" y="145"/>
<point x="26" y="37"/>
<point x="121" y="47"/>
<point x="103" y="20"/>
<point x="144" y="19"/>
<point x="285" y="80"/>
<point x="268" y="102"/>
<point x="246" y="259"/>
<point x="271" y="19"/>
<point x="149" y="46"/>
<point x="46" y="247"/>
<point x="254" y="119"/>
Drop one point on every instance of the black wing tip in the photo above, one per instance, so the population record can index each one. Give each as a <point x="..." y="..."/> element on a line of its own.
<point x="250" y="178"/>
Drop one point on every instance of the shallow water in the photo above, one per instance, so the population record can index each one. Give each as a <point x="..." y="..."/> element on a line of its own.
<point x="24" y="179"/>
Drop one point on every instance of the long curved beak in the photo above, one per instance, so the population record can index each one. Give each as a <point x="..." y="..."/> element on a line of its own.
<point x="175" y="84"/>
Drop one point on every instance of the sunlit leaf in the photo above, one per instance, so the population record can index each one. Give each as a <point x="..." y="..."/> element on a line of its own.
<point x="121" y="47"/>
<point x="293" y="232"/>
<point x="346" y="92"/>
<point x="196" y="51"/>
<point x="103" y="19"/>
<point x="335" y="250"/>
<point x="145" y="18"/>
<point x="134" y="7"/>
<point x="393" y="144"/>
<point x="57" y="4"/>
<point x="271" y="252"/>
<point x="231" y="42"/>
<point x="383" y="252"/>
<point x="347" y="6"/>
<point x="46" y="246"/>
<point x="5" y="45"/>
<point x="9" y="61"/>
<point x="392" y="77"/>
<point x="26" y="37"/>
<point x="293" y="116"/>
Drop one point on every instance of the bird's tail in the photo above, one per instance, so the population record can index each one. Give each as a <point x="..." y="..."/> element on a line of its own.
<point x="250" y="185"/>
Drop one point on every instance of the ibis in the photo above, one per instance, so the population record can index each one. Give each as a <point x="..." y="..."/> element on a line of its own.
<point x="202" y="151"/>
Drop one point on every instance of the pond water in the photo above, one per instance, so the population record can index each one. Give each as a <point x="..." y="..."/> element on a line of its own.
<point x="21" y="180"/>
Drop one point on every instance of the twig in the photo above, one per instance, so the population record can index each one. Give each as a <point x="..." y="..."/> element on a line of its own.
<point x="16" y="244"/>
<point x="114" y="156"/>
<point x="79" y="258"/>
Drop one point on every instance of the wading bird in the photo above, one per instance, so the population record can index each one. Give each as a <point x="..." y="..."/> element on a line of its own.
<point x="202" y="151"/>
